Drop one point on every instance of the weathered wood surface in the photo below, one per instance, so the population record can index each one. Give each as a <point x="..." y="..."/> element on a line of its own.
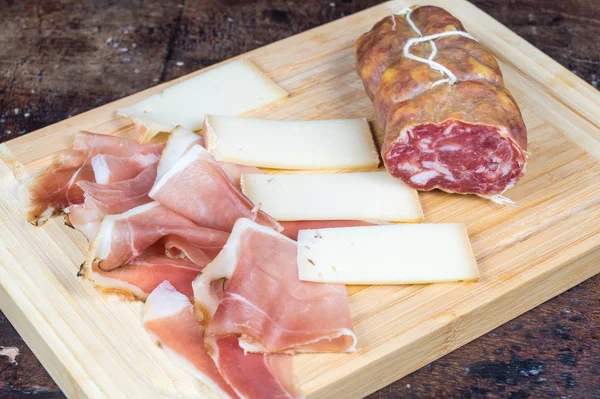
<point x="56" y="62"/>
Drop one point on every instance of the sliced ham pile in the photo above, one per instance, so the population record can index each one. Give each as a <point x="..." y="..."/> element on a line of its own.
<point x="156" y="216"/>
<point x="57" y="187"/>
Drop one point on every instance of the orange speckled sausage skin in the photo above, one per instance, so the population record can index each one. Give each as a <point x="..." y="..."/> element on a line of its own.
<point x="467" y="138"/>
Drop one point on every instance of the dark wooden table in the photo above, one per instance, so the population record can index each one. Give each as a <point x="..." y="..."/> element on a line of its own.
<point x="60" y="58"/>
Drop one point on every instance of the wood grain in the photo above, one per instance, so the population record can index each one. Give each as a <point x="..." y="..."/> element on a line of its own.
<point x="400" y="328"/>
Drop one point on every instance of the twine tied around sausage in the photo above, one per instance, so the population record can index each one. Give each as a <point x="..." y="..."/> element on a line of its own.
<point x="450" y="77"/>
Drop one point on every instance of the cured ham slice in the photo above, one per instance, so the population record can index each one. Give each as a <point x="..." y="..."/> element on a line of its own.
<point x="252" y="290"/>
<point x="179" y="248"/>
<point x="123" y="195"/>
<point x="56" y="188"/>
<point x="198" y="188"/>
<point x="254" y="375"/>
<point x="124" y="236"/>
<point x="138" y="278"/>
<point x="170" y="320"/>
<point x="85" y="217"/>
<point x="291" y="229"/>
<point x="181" y="141"/>
<point x="109" y="199"/>
<point x="111" y="168"/>
<point x="93" y="144"/>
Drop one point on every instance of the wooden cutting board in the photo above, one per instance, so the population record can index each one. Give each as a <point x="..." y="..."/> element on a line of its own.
<point x="94" y="346"/>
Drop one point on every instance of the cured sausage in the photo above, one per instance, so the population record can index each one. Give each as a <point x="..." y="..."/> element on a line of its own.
<point x="449" y="121"/>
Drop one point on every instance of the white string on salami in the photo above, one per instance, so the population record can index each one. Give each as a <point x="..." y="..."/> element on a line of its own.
<point x="406" y="12"/>
<point x="451" y="77"/>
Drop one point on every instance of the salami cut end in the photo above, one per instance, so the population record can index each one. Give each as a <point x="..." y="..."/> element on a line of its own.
<point x="456" y="157"/>
<point x="450" y="123"/>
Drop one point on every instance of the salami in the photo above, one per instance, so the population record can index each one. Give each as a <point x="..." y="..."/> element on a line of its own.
<point x="449" y="121"/>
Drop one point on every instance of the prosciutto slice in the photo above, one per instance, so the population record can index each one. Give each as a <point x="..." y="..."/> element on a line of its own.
<point x="111" y="168"/>
<point x="56" y="188"/>
<point x="181" y="141"/>
<point x="124" y="236"/>
<point x="109" y="199"/>
<point x="85" y="217"/>
<point x="179" y="248"/>
<point x="254" y="375"/>
<point x="198" y="188"/>
<point x="170" y="320"/>
<point x="123" y="195"/>
<point x="138" y="278"/>
<point x="252" y="290"/>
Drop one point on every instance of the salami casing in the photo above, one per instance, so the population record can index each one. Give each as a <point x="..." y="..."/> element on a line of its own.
<point x="449" y="121"/>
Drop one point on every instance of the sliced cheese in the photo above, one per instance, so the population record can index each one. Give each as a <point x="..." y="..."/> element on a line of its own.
<point x="392" y="254"/>
<point x="374" y="196"/>
<point x="324" y="144"/>
<point x="230" y="89"/>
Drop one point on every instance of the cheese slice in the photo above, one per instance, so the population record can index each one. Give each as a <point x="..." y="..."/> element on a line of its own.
<point x="373" y="196"/>
<point x="230" y="89"/>
<point x="324" y="144"/>
<point x="391" y="254"/>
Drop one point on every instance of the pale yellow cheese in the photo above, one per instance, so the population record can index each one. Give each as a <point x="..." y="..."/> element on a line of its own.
<point x="372" y="196"/>
<point x="390" y="254"/>
<point x="323" y="144"/>
<point x="231" y="89"/>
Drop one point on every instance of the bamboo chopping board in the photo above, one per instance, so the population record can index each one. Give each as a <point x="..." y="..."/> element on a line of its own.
<point x="94" y="346"/>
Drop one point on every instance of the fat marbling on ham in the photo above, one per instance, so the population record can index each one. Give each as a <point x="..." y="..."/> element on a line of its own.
<point x="180" y="142"/>
<point x="56" y="187"/>
<point x="198" y="188"/>
<point x="252" y="290"/>
<point x="177" y="247"/>
<point x="110" y="168"/>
